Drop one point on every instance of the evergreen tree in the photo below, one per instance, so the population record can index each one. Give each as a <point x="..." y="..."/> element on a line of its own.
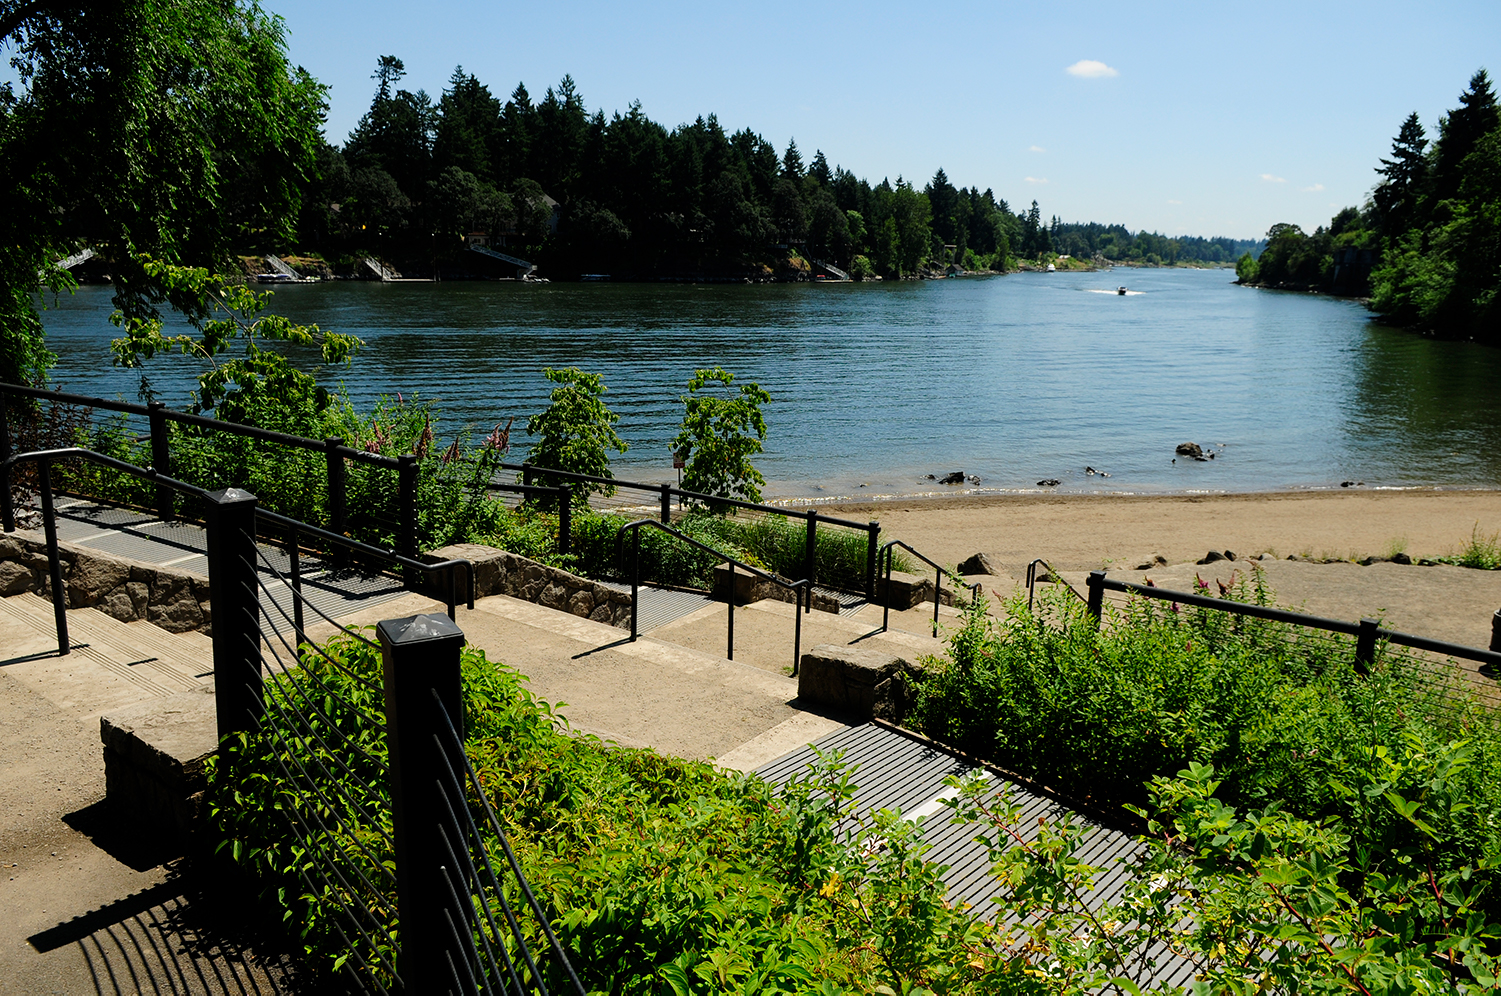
<point x="792" y="162"/>
<point x="1406" y="173"/>
<point x="1459" y="131"/>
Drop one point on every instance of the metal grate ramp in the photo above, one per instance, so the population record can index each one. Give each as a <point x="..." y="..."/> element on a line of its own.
<point x="660" y="606"/>
<point x="898" y="772"/>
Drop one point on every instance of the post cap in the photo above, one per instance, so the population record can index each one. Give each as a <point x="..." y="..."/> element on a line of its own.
<point x="229" y="496"/>
<point x="417" y="629"/>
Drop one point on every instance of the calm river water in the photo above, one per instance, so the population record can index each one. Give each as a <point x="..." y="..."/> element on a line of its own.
<point x="1014" y="379"/>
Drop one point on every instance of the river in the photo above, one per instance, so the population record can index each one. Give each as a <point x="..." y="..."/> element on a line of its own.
<point x="1013" y="379"/>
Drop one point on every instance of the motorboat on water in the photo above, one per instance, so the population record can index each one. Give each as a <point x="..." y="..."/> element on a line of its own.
<point x="1121" y="290"/>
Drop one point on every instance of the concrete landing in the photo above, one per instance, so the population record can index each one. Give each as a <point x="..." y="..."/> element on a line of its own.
<point x="649" y="693"/>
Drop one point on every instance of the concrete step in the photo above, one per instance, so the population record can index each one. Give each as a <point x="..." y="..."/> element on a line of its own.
<point x="764" y="632"/>
<point x="647" y="693"/>
<point x="110" y="667"/>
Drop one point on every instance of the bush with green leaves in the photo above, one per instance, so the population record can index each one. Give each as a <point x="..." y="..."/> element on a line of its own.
<point x="575" y="431"/>
<point x="663" y="875"/>
<point x="722" y="429"/>
<point x="1284" y="716"/>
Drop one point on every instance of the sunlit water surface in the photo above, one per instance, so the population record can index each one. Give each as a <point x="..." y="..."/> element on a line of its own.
<point x="1013" y="379"/>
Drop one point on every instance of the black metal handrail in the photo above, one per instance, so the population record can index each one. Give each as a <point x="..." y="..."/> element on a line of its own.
<point x="1052" y="573"/>
<point x="1366" y="632"/>
<point x="888" y="552"/>
<point x="44" y="459"/>
<point x="666" y="492"/>
<point x="802" y="588"/>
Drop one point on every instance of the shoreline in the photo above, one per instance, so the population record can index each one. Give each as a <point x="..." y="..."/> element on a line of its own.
<point x="1086" y="532"/>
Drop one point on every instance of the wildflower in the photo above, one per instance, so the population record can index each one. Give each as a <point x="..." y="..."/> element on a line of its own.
<point x="425" y="440"/>
<point x="500" y="439"/>
<point x="452" y="453"/>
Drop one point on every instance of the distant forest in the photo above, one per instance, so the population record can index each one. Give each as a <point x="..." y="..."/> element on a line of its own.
<point x="1426" y="246"/>
<point x="580" y="193"/>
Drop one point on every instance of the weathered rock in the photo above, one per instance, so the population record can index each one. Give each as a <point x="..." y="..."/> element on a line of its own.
<point x="845" y="678"/>
<point x="1211" y="557"/>
<point x="177" y="617"/>
<point x="1190" y="450"/>
<point x="1049" y="482"/>
<point x="581" y="603"/>
<point x="1041" y="574"/>
<point x="1151" y="563"/>
<point x="983" y="563"/>
<point x="93" y="577"/>
<point x="117" y="605"/>
<point x="1401" y="558"/>
<point x="14" y="579"/>
<point x="957" y="477"/>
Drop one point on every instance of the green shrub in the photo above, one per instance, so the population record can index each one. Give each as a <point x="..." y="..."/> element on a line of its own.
<point x="1481" y="552"/>
<point x="1283" y="716"/>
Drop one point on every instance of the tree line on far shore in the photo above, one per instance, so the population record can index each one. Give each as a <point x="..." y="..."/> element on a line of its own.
<point x="1426" y="247"/>
<point x="583" y="193"/>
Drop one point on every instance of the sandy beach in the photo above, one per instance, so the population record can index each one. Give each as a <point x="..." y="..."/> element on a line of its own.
<point x="1086" y="532"/>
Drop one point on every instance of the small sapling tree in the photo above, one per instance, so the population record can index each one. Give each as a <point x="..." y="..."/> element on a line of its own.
<point x="576" y="430"/>
<point x="721" y="431"/>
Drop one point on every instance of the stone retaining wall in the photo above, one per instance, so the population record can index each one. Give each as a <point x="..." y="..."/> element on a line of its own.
<point x="127" y="590"/>
<point x="497" y="572"/>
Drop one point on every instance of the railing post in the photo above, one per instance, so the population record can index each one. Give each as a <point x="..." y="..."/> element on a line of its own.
<point x="667" y="504"/>
<point x="565" y="518"/>
<point x="1496" y="632"/>
<point x="420" y="656"/>
<point x="7" y="510"/>
<point x="54" y="563"/>
<point x="406" y="497"/>
<point x="1096" y="584"/>
<point x="797" y="633"/>
<point x="635" y="577"/>
<point x="235" y="597"/>
<point x="337" y="496"/>
<point x="1365" y="645"/>
<point x="872" y="539"/>
<point x="811" y="555"/>
<point x="729" y="653"/>
<point x="886" y="601"/>
<point x="161" y="457"/>
<point x="937" y="588"/>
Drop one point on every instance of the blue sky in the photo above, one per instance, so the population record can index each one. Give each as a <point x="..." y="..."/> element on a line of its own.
<point x="1212" y="119"/>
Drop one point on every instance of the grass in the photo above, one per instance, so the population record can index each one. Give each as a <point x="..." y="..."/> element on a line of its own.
<point x="1482" y="552"/>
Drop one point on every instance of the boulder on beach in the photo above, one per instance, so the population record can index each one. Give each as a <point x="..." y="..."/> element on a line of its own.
<point x="983" y="563"/>
<point x="1151" y="563"/>
<point x="957" y="477"/>
<point x="1049" y="482"/>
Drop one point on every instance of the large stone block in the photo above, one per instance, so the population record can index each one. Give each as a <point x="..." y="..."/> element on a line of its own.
<point x="909" y="590"/>
<point x="154" y="756"/>
<point x="94" y="577"/>
<point x="846" y="678"/>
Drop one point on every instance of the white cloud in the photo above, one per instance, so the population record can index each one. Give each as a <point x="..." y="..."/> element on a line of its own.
<point x="1174" y="202"/>
<point x="1313" y="189"/>
<point x="1033" y="179"/>
<point x="1037" y="148"/>
<point x="1269" y="178"/>
<point x="1090" y="69"/>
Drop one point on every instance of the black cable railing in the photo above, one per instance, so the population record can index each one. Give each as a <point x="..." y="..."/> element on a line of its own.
<point x="801" y="589"/>
<point x="488" y="955"/>
<point x="888" y="551"/>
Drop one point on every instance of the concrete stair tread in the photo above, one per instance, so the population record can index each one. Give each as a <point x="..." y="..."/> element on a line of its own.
<point x="92" y="640"/>
<point x="183" y="657"/>
<point x="858" y="626"/>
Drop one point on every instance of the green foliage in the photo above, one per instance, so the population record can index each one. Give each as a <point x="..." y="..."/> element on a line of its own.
<point x="1245" y="269"/>
<point x="235" y="383"/>
<point x="720" y="433"/>
<point x="861" y="268"/>
<point x="145" y="130"/>
<point x="1283" y="715"/>
<point x="1259" y="901"/>
<point x="1481" y="552"/>
<point x="661" y="874"/>
<point x="577" y="430"/>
